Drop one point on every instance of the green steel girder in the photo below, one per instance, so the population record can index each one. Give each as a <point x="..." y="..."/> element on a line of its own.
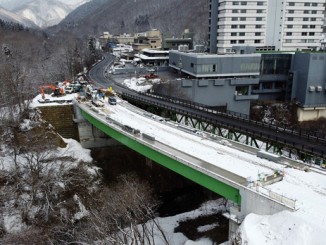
<point x="229" y="192"/>
<point x="276" y="148"/>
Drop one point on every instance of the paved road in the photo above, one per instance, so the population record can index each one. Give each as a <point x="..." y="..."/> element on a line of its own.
<point x="97" y="73"/>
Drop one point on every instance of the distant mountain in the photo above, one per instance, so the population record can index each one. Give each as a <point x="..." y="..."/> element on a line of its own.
<point x="130" y="16"/>
<point x="8" y="16"/>
<point x="42" y="13"/>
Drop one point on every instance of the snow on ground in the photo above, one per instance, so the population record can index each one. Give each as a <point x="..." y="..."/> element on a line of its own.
<point x="37" y="101"/>
<point x="306" y="226"/>
<point x="75" y="150"/>
<point x="136" y="85"/>
<point x="12" y="222"/>
<point x="282" y="229"/>
<point x="169" y="223"/>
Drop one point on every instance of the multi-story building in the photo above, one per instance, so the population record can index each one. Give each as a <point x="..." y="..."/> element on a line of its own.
<point x="235" y="80"/>
<point x="149" y="40"/>
<point x="281" y="25"/>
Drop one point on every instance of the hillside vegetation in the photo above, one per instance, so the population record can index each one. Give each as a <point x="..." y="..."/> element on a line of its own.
<point x="115" y="16"/>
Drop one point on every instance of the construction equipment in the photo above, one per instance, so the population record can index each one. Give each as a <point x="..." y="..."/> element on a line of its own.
<point x="55" y="90"/>
<point x="151" y="76"/>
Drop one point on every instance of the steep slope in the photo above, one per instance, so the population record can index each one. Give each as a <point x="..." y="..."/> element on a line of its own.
<point x="8" y="16"/>
<point x="129" y="16"/>
<point x="42" y="13"/>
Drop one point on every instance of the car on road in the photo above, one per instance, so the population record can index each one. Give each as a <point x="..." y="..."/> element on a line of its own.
<point x="69" y="90"/>
<point x="112" y="100"/>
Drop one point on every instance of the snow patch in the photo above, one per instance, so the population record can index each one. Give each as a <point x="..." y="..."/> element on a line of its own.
<point x="13" y="223"/>
<point x="75" y="150"/>
<point x="281" y="228"/>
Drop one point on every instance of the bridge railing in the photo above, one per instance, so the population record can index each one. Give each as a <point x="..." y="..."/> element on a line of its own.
<point x="210" y="118"/>
<point x="221" y="110"/>
<point x="188" y="103"/>
<point x="291" y="203"/>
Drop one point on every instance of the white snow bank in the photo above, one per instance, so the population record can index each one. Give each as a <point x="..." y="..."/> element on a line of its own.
<point x="281" y="228"/>
<point x="75" y="150"/>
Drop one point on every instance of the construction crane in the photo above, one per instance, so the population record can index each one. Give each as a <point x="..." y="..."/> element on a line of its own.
<point x="56" y="91"/>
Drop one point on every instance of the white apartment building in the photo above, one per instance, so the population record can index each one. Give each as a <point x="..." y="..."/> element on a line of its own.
<point x="282" y="25"/>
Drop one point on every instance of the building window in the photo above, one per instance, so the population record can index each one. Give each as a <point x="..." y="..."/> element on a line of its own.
<point x="257" y="34"/>
<point x="234" y="26"/>
<point x="306" y="4"/>
<point x="257" y="41"/>
<point x="243" y="11"/>
<point x="291" y="3"/>
<point x="258" y="26"/>
<point x="289" y="33"/>
<point x="235" y="11"/>
<point x="305" y="19"/>
<point x="267" y="85"/>
<point x="280" y="85"/>
<point x="214" y="68"/>
<point x="314" y="4"/>
<point x="312" y="26"/>
<point x="314" y="11"/>
<point x="260" y="3"/>
<point x="306" y="11"/>
<point x="235" y="3"/>
<point x="242" y="90"/>
<point x="233" y="34"/>
<point x="304" y="33"/>
<point x="242" y="26"/>
<point x="233" y="41"/>
<point x="259" y="11"/>
<point x="312" y="19"/>
<point x="242" y="18"/>
<point x="305" y="26"/>
<point x="241" y="41"/>
<point x="259" y="18"/>
<point x="289" y="26"/>
<point x="290" y="19"/>
<point x="311" y="34"/>
<point x="291" y="11"/>
<point x="234" y="18"/>
<point x="241" y="34"/>
<point x="243" y="3"/>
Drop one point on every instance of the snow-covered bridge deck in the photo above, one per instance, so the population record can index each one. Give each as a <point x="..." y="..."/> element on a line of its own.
<point x="209" y="161"/>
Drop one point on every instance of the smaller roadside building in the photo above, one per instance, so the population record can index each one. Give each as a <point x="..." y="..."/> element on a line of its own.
<point x="153" y="57"/>
<point x="308" y="81"/>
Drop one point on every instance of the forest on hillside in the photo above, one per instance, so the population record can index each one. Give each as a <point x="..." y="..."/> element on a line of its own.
<point x="171" y="17"/>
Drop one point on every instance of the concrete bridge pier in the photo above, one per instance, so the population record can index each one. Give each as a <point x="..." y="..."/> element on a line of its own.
<point x="89" y="135"/>
<point x="254" y="202"/>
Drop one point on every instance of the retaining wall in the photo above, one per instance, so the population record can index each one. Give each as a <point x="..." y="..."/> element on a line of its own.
<point x="61" y="118"/>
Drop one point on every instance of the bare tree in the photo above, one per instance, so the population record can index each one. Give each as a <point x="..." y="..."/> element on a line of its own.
<point x="15" y="92"/>
<point x="124" y="215"/>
